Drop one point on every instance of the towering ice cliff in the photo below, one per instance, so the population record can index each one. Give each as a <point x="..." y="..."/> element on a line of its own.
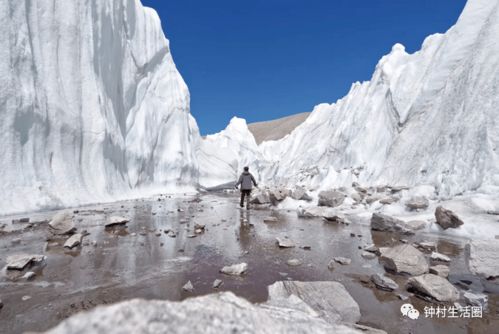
<point x="431" y="117"/>
<point x="92" y="107"/>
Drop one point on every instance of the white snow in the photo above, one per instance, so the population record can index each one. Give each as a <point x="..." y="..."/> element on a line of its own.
<point x="92" y="107"/>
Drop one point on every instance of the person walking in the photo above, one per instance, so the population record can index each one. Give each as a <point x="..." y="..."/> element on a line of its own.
<point x="246" y="181"/>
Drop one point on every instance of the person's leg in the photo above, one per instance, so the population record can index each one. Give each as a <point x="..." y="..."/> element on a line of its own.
<point x="241" y="204"/>
<point x="248" y="197"/>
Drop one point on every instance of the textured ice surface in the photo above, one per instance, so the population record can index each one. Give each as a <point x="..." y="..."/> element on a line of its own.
<point x="92" y="107"/>
<point x="425" y="118"/>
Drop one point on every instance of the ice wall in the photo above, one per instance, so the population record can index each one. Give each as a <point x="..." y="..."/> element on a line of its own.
<point x="92" y="107"/>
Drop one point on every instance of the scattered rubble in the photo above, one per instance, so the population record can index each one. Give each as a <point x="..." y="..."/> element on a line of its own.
<point x="235" y="269"/>
<point x="434" y="286"/>
<point x="476" y="299"/>
<point x="116" y="220"/>
<point x="439" y="257"/>
<point x="285" y="243"/>
<point x="417" y="203"/>
<point x="294" y="262"/>
<point x="217" y="283"/>
<point x="404" y="259"/>
<point x="62" y="223"/>
<point x="21" y="261"/>
<point x="270" y="219"/>
<point x="342" y="260"/>
<point x="384" y="283"/>
<point x="484" y="258"/>
<point x="73" y="241"/>
<point x="329" y="299"/>
<point x="188" y="287"/>
<point x="446" y="218"/>
<point x="440" y="270"/>
<point x="331" y="198"/>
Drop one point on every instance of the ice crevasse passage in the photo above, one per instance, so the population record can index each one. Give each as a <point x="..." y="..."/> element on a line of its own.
<point x="92" y="107"/>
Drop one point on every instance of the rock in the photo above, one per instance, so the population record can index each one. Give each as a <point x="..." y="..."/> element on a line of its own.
<point x="414" y="225"/>
<point x="62" y="223"/>
<point x="373" y="198"/>
<point x="73" y="241"/>
<point x="172" y="234"/>
<point x="293" y="262"/>
<point x="260" y="197"/>
<point x="331" y="198"/>
<point x="270" y="220"/>
<point x="402" y="296"/>
<point x="396" y="189"/>
<point x="25" y="298"/>
<point x="329" y="214"/>
<point x="29" y="276"/>
<point x="116" y="220"/>
<point x="371" y="248"/>
<point x="310" y="212"/>
<point x="404" y="259"/>
<point x="300" y="194"/>
<point x="1" y="304"/>
<point x="342" y="260"/>
<point x="384" y="283"/>
<point x="356" y="197"/>
<point x="476" y="299"/>
<point x="434" y="286"/>
<point x="427" y="246"/>
<point x="417" y="203"/>
<point x="447" y="219"/>
<point x="368" y="330"/>
<point x="380" y="189"/>
<point x="277" y="195"/>
<point x="368" y="255"/>
<point x="16" y="241"/>
<point x="217" y="283"/>
<point x="484" y="258"/>
<point x="439" y="257"/>
<point x="21" y="261"/>
<point x="388" y="200"/>
<point x="199" y="226"/>
<point x="235" y="269"/>
<point x="440" y="270"/>
<point x="333" y="217"/>
<point x="211" y="314"/>
<point x="188" y="287"/>
<point x="385" y="223"/>
<point x="284" y="243"/>
<point x="329" y="299"/>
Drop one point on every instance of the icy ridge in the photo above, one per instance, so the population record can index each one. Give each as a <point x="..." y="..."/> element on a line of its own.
<point x="425" y="118"/>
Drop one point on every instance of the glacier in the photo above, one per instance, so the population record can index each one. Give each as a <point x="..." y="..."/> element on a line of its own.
<point x="92" y="106"/>
<point x="425" y="118"/>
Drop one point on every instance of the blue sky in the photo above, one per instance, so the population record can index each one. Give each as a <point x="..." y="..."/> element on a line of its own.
<point x="264" y="59"/>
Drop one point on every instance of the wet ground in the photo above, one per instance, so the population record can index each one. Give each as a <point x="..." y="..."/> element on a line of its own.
<point x="142" y="261"/>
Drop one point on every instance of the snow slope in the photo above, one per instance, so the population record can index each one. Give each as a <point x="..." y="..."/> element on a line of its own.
<point x="223" y="155"/>
<point x="92" y="107"/>
<point x="425" y="118"/>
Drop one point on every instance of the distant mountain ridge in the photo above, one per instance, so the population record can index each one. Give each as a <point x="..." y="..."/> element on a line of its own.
<point x="277" y="128"/>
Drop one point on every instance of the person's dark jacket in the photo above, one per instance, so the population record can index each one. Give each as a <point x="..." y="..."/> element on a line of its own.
<point x="246" y="180"/>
